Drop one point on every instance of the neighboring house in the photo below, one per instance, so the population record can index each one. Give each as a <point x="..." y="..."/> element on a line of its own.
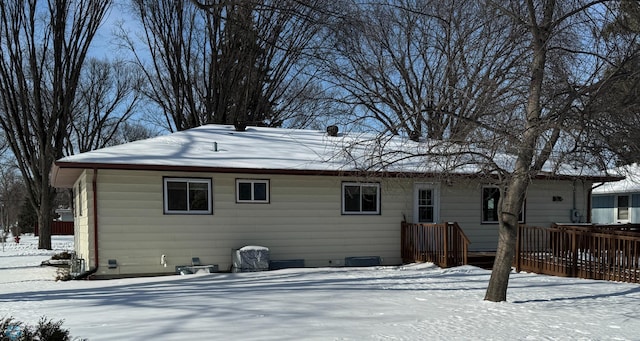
<point x="147" y="206"/>
<point x="618" y="202"/>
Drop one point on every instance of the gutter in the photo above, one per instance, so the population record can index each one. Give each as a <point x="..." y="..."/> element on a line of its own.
<point x="94" y="185"/>
<point x="61" y="167"/>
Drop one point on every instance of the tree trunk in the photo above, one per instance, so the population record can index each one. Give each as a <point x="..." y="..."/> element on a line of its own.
<point x="510" y="204"/>
<point x="44" y="228"/>
<point x="499" y="281"/>
<point x="43" y="210"/>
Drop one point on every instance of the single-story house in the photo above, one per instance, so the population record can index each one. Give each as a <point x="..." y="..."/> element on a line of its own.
<point x="618" y="202"/>
<point x="148" y="206"/>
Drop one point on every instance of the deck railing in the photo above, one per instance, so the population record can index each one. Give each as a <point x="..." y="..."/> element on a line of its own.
<point x="594" y="252"/>
<point x="446" y="245"/>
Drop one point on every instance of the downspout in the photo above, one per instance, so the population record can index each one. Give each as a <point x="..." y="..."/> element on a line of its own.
<point x="94" y="187"/>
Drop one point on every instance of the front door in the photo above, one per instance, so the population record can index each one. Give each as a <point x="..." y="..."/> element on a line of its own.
<point x="426" y="203"/>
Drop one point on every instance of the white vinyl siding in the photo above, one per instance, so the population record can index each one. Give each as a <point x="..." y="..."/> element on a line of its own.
<point x="616" y="208"/>
<point x="460" y="201"/>
<point x="603" y="209"/>
<point x="82" y="223"/>
<point x="304" y="219"/>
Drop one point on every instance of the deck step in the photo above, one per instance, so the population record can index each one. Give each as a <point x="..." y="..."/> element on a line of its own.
<point x="481" y="259"/>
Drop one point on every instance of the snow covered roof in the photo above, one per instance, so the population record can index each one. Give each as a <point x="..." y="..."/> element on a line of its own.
<point x="220" y="148"/>
<point x="630" y="184"/>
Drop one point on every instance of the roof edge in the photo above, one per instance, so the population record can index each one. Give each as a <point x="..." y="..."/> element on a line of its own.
<point x="59" y="167"/>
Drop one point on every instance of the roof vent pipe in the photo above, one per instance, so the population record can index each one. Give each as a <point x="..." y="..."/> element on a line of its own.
<point x="332" y="130"/>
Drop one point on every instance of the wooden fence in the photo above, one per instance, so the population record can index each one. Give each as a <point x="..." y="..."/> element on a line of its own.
<point x="446" y="245"/>
<point x="594" y="252"/>
<point x="58" y="228"/>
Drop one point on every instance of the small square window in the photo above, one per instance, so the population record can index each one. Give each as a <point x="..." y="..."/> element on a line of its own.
<point x="187" y="196"/>
<point x="360" y="198"/>
<point x="252" y="191"/>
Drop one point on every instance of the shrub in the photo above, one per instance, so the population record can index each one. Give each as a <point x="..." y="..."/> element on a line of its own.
<point x="45" y="330"/>
<point x="49" y="330"/>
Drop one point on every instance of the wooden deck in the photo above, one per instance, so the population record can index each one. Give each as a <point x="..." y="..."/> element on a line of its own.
<point x="481" y="259"/>
<point x="609" y="252"/>
<point x="445" y="244"/>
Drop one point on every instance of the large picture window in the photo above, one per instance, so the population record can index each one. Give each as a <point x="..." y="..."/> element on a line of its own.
<point x="252" y="191"/>
<point x="360" y="198"/>
<point x="490" y="200"/>
<point x="187" y="196"/>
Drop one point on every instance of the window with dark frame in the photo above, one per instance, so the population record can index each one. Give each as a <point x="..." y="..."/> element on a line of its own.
<point x="187" y="196"/>
<point x="623" y="207"/>
<point x="252" y="191"/>
<point x="490" y="200"/>
<point x="360" y="198"/>
<point x="426" y="205"/>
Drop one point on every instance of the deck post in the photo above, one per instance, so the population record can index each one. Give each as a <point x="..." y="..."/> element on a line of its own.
<point x="518" y="248"/>
<point x="446" y="245"/>
<point x="574" y="254"/>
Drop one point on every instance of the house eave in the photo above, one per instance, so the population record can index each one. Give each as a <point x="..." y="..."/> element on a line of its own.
<point x="64" y="174"/>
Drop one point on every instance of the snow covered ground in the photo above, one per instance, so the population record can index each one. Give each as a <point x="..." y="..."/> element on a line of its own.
<point x="413" y="302"/>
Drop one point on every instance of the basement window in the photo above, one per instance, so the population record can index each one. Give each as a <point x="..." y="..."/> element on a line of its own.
<point x="187" y="196"/>
<point x="360" y="198"/>
<point x="252" y="191"/>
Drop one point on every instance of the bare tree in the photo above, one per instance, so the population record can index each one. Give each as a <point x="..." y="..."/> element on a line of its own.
<point x="12" y="195"/>
<point x="43" y="46"/>
<point x="133" y="131"/>
<point x="499" y="85"/>
<point x="566" y="59"/>
<point x="612" y="114"/>
<point x="106" y="99"/>
<point x="425" y="67"/>
<point x="226" y="62"/>
<point x="613" y="104"/>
